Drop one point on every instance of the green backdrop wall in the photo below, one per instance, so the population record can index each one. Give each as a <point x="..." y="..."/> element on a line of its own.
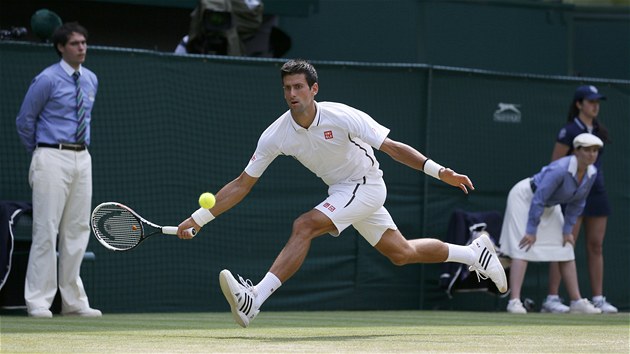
<point x="166" y="128"/>
<point x="543" y="37"/>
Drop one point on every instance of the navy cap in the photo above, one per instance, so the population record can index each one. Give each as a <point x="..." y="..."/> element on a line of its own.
<point x="587" y="92"/>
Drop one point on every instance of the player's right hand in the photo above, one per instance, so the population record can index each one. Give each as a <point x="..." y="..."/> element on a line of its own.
<point x="182" y="229"/>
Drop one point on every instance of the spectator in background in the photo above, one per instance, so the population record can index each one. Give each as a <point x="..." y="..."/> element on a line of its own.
<point x="582" y="118"/>
<point x="54" y="125"/>
<point x="534" y="227"/>
<point x="219" y="27"/>
<point x="233" y="27"/>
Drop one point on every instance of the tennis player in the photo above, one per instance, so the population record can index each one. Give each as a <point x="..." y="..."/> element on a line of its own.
<point x="336" y="143"/>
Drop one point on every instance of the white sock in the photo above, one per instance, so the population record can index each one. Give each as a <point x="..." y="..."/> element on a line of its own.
<point x="266" y="287"/>
<point x="598" y="298"/>
<point x="460" y="254"/>
<point x="553" y="297"/>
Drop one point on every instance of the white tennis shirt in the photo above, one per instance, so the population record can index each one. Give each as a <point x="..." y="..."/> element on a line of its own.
<point x="337" y="147"/>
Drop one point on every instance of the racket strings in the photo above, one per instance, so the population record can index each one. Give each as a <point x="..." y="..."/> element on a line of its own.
<point x="117" y="227"/>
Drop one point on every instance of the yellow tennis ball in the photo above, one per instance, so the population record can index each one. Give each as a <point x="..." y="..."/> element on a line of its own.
<point x="207" y="200"/>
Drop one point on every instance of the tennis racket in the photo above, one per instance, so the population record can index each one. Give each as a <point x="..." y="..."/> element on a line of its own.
<point x="119" y="228"/>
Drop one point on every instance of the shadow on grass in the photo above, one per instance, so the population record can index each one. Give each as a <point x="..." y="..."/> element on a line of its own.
<point x="286" y="339"/>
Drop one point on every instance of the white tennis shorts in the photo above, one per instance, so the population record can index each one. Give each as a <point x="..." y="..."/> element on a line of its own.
<point x="360" y="205"/>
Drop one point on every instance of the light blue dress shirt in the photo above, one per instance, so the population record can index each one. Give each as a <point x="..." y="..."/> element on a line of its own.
<point x="48" y="113"/>
<point x="557" y="184"/>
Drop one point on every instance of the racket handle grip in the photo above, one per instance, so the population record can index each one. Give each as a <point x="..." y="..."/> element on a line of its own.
<point x="172" y="230"/>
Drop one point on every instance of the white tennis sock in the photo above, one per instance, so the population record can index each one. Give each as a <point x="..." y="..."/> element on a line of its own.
<point x="460" y="254"/>
<point x="266" y="287"/>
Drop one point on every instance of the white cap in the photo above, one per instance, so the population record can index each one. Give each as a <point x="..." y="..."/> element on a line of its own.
<point x="587" y="139"/>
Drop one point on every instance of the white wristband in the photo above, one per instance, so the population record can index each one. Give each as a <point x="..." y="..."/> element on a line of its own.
<point x="202" y="216"/>
<point x="432" y="168"/>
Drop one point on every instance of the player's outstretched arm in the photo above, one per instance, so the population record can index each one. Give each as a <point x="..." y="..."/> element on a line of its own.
<point x="230" y="195"/>
<point x="411" y="157"/>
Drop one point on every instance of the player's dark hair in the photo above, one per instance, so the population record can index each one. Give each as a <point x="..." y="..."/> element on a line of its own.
<point x="300" y="66"/>
<point x="63" y="33"/>
<point x="602" y="131"/>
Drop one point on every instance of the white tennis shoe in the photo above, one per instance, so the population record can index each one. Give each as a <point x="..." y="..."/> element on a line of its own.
<point x="40" y="313"/>
<point x="516" y="306"/>
<point x="241" y="296"/>
<point x="584" y="306"/>
<point x="487" y="264"/>
<point x="87" y="312"/>
<point x="605" y="306"/>
<point x="554" y="305"/>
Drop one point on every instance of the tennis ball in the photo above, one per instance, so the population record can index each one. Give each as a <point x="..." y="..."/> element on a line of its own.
<point x="207" y="200"/>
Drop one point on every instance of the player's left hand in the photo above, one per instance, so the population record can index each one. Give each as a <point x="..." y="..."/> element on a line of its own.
<point x="456" y="180"/>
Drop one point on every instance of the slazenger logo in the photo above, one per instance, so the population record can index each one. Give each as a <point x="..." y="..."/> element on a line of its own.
<point x="507" y="113"/>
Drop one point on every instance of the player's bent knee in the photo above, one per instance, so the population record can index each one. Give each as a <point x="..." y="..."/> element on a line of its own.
<point x="398" y="261"/>
<point x="396" y="248"/>
<point x="399" y="258"/>
<point x="312" y="224"/>
<point x="304" y="228"/>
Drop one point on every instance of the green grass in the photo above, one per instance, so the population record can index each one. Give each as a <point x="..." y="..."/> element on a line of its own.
<point x="319" y="332"/>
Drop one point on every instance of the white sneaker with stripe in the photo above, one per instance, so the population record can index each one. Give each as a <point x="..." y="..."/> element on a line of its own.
<point x="487" y="265"/>
<point x="241" y="296"/>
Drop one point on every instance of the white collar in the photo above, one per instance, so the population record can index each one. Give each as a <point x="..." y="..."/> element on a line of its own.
<point x="315" y="122"/>
<point x="68" y="69"/>
<point x="588" y="128"/>
<point x="590" y="170"/>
